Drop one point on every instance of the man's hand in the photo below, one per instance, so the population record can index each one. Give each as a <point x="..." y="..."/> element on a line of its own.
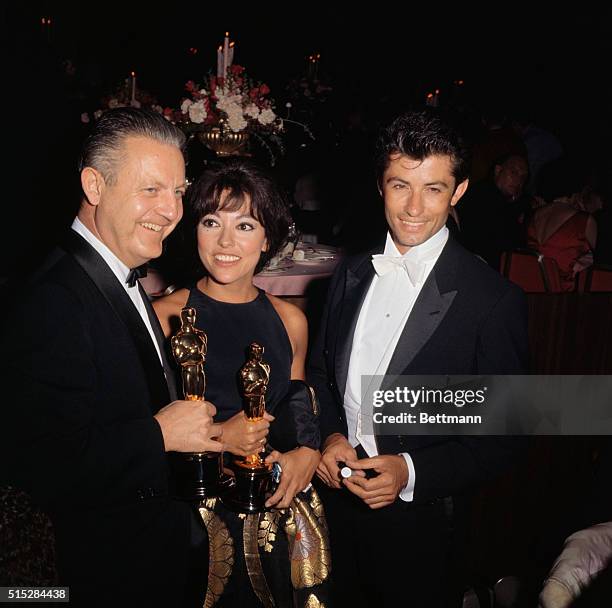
<point x="298" y="467"/>
<point x="187" y="426"/>
<point x="336" y="449"/>
<point x="382" y="490"/>
<point x="242" y="436"/>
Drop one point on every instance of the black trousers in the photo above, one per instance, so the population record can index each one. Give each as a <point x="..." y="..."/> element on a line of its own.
<point x="399" y="555"/>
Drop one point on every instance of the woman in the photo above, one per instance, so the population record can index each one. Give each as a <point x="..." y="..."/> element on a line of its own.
<point x="565" y="231"/>
<point x="241" y="220"/>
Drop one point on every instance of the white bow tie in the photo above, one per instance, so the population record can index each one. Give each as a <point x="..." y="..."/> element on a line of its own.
<point x="384" y="264"/>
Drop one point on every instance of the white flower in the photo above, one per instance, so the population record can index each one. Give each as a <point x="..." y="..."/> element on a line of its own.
<point x="197" y="112"/>
<point x="227" y="103"/>
<point x="252" y="110"/>
<point x="266" y="117"/>
<point x="97" y="114"/>
<point x="236" y="121"/>
<point x="185" y="105"/>
<point x="85" y="117"/>
<point x="114" y="103"/>
<point x="157" y="109"/>
<point x="203" y="92"/>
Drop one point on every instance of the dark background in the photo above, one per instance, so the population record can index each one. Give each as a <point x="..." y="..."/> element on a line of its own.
<point x="552" y="64"/>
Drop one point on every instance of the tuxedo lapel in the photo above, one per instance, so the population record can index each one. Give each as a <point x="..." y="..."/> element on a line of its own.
<point x="429" y="310"/>
<point x="358" y="278"/>
<point x="161" y="342"/>
<point x="119" y="301"/>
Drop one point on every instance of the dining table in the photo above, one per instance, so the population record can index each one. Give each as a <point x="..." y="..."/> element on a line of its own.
<point x="291" y="277"/>
<point x="292" y="274"/>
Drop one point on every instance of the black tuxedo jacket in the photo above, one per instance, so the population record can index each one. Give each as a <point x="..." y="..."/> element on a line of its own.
<point x="82" y="382"/>
<point x="467" y="319"/>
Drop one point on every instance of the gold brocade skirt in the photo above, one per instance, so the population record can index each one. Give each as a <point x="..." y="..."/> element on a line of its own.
<point x="278" y="558"/>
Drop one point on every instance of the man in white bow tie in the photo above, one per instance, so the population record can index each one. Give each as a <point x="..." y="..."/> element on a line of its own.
<point x="425" y="306"/>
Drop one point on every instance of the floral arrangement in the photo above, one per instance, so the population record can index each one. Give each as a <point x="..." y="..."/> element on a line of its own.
<point x="306" y="90"/>
<point x="235" y="106"/>
<point x="125" y="95"/>
<point x="234" y="102"/>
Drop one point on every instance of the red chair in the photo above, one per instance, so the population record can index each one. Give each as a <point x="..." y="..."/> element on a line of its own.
<point x="532" y="272"/>
<point x="595" y="278"/>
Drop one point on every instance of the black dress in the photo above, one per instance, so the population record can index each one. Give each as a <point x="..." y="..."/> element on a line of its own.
<point x="230" y="329"/>
<point x="278" y="557"/>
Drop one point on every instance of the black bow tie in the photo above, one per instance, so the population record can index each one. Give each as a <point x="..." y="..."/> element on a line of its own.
<point x="135" y="274"/>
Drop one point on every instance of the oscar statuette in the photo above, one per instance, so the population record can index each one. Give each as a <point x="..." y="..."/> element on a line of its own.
<point x="253" y="477"/>
<point x="195" y="475"/>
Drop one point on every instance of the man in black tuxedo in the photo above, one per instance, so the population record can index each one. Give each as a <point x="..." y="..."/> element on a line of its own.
<point x="427" y="306"/>
<point x="90" y="401"/>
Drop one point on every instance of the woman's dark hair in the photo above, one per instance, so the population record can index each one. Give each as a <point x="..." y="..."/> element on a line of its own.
<point x="245" y="182"/>
<point x="420" y="135"/>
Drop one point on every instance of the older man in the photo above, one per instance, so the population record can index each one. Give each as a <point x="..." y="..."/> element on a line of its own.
<point x="493" y="214"/>
<point x="89" y="398"/>
<point x="427" y="306"/>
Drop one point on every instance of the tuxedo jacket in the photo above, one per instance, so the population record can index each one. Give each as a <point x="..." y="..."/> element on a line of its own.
<point x="467" y="319"/>
<point x="82" y="383"/>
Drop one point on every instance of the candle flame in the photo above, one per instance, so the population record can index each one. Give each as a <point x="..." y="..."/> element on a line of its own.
<point x="133" y="74"/>
<point x="227" y="34"/>
<point x="232" y="44"/>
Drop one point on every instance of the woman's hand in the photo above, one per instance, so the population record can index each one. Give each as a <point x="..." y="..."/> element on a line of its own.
<point x="242" y="436"/>
<point x="298" y="467"/>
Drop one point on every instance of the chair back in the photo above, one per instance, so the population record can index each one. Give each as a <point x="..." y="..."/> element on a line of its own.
<point x="595" y="278"/>
<point x="532" y="272"/>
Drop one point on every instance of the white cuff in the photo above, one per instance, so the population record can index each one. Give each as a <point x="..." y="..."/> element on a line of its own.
<point x="407" y="494"/>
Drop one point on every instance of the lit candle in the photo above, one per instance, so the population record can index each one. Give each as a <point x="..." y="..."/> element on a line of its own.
<point x="225" y="53"/>
<point x="231" y="55"/>
<point x="133" y="86"/>
<point x="219" y="62"/>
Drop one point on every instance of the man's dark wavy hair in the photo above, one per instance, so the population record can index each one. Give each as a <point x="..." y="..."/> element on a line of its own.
<point x="420" y="135"/>
<point x="244" y="180"/>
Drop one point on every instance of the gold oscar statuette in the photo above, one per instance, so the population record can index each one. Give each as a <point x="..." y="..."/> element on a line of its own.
<point x="189" y="350"/>
<point x="196" y="475"/>
<point x="253" y="477"/>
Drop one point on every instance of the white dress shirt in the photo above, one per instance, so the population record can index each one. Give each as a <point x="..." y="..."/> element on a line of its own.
<point x="121" y="271"/>
<point x="383" y="315"/>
